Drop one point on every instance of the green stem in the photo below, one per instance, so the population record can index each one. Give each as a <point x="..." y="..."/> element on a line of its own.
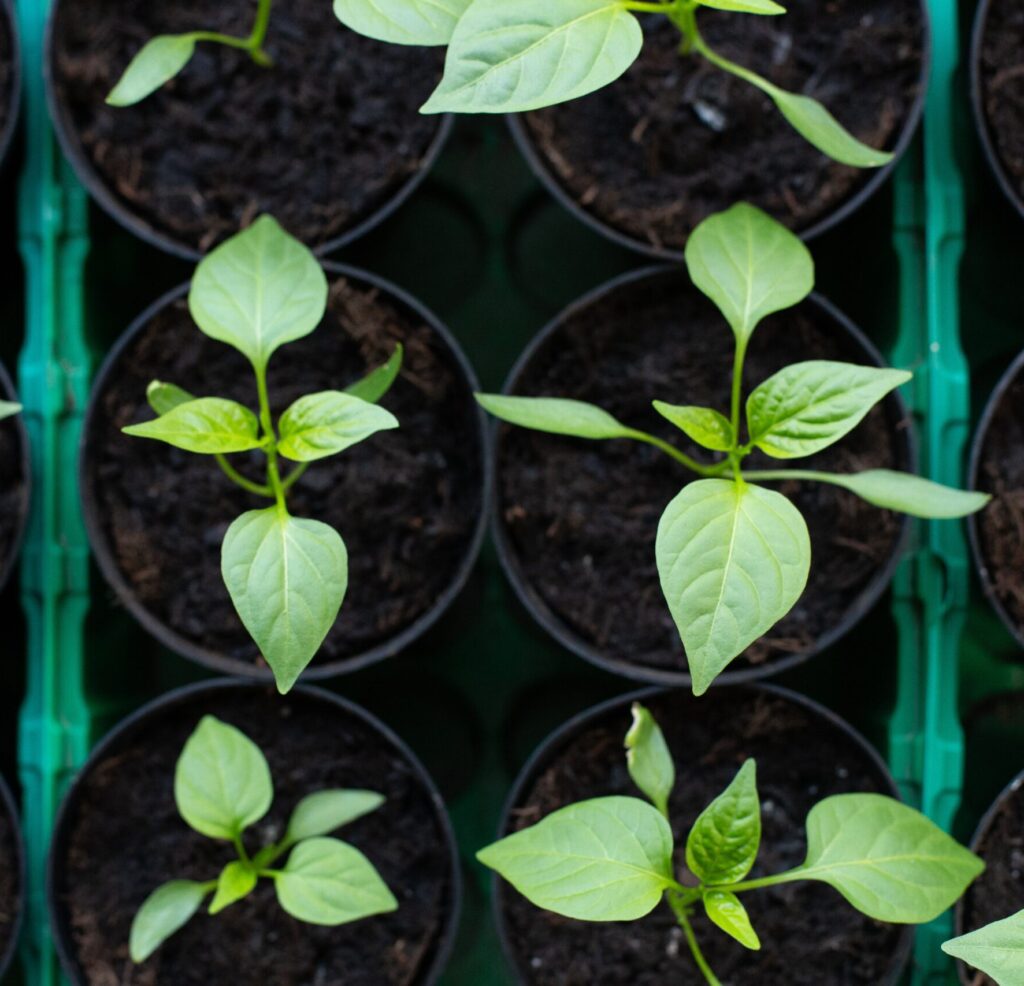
<point x="781" y="475"/>
<point x="236" y="841"/>
<point x="252" y="43"/>
<point x="294" y="476"/>
<point x="236" y="477"/>
<point x="692" y="464"/>
<point x="649" y="8"/>
<point x="679" y="908"/>
<point x="267" y="423"/>
<point x="789" y="876"/>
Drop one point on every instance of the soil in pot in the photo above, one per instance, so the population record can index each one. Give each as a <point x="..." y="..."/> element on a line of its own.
<point x="580" y="518"/>
<point x="676" y="139"/>
<point x="407" y="503"/>
<point x="322" y="140"/>
<point x="10" y="883"/>
<point x="7" y="69"/>
<point x="14" y="482"/>
<point x="122" y="837"/>
<point x="810" y="935"/>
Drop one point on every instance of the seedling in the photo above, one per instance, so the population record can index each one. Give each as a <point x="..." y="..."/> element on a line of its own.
<point x="222" y="786"/>
<point x="996" y="950"/>
<point x="611" y="858"/>
<point x="733" y="557"/>
<point x="286" y="576"/>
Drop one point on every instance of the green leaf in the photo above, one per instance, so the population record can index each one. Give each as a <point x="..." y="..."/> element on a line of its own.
<point x="378" y="382"/>
<point x="996" y="950"/>
<point x="236" y="882"/>
<point x="749" y="265"/>
<point x="222" y="782"/>
<point x="807" y="407"/>
<point x="887" y="860"/>
<point x="648" y="759"/>
<point x="165" y="911"/>
<point x="745" y="6"/>
<point x="514" y="57"/>
<point x="323" y="812"/>
<point x="165" y="397"/>
<point x="909" y="494"/>
<point x="287" y="577"/>
<point x="723" y="843"/>
<point x="733" y="560"/>
<point x="608" y="859"/>
<point x="324" y="424"/>
<point x="403" y="22"/>
<point x="259" y="290"/>
<point x="329" y="882"/>
<point x="555" y="415"/>
<point x="207" y="425"/>
<point x="706" y="427"/>
<point x="9" y="409"/>
<point x="157" y="62"/>
<point x="731" y="916"/>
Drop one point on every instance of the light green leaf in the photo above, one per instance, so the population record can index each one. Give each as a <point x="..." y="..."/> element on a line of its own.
<point x="403" y="22"/>
<point x="909" y="494"/>
<point x="733" y="560"/>
<point x="996" y="950"/>
<point x="723" y="843"/>
<point x="207" y="425"/>
<point x="9" y="409"/>
<point x="731" y="916"/>
<point x="705" y="426"/>
<point x="287" y="577"/>
<point x="378" y="382"/>
<point x="807" y="407"/>
<point x="514" y="57"/>
<point x="608" y="859"/>
<point x="555" y="415"/>
<point x="324" y="424"/>
<point x="165" y="911"/>
<point x="222" y="782"/>
<point x="329" y="882"/>
<point x="157" y="62"/>
<point x="886" y="859"/>
<point x="749" y="265"/>
<point x="323" y="812"/>
<point x="745" y="6"/>
<point x="236" y="882"/>
<point x="259" y="290"/>
<point x="648" y="759"/>
<point x="165" y="397"/>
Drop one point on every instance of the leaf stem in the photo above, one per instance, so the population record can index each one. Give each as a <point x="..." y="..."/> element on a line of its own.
<point x="692" y="464"/>
<point x="267" y="423"/>
<point x="252" y="43"/>
<point x="236" y="477"/>
<point x="781" y="475"/>
<point x="680" y="909"/>
<point x="236" y="841"/>
<point x="294" y="476"/>
<point x="765" y="881"/>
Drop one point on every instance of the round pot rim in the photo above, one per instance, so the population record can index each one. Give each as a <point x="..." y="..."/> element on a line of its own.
<point x="565" y="635"/>
<point x="553" y="744"/>
<point x="215" y="660"/>
<point x="14" y="109"/>
<point x="142" y="229"/>
<point x="135" y="722"/>
<point x="847" y="208"/>
<point x="9" y="807"/>
<point x="8" y="564"/>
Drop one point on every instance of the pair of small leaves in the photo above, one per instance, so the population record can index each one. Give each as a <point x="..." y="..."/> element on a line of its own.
<point x="996" y="950"/>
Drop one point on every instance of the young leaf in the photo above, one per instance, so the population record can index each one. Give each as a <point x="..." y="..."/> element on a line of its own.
<point x="157" y="62"/>
<point x="319" y="425"/>
<point x="165" y="397"/>
<point x="908" y="494"/>
<point x="996" y="950"/>
<point x="887" y="860"/>
<point x="608" y="859"/>
<point x="287" y="578"/>
<point x="258" y="290"/>
<point x="236" y="882"/>
<point x="555" y="415"/>
<point x="378" y="382"/>
<point x="731" y="916"/>
<point x="402" y="22"/>
<point x="8" y="409"/>
<point x="514" y="57"/>
<point x="745" y="6"/>
<point x="749" y="265"/>
<point x="323" y="812"/>
<point x="648" y="759"/>
<point x="222" y="782"/>
<point x="207" y="425"/>
<point x="733" y="560"/>
<point x="329" y="882"/>
<point x="723" y="843"/>
<point x="706" y="427"/>
<point x="165" y="911"/>
<point x="807" y="407"/>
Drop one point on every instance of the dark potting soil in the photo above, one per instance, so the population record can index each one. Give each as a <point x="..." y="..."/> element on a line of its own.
<point x="810" y="936"/>
<point x="111" y="860"/>
<point x="582" y="516"/>
<point x="321" y="140"/>
<point x="677" y="139"/>
<point x="1002" y="86"/>
<point x="6" y="70"/>
<point x="10" y="881"/>
<point x="406" y="501"/>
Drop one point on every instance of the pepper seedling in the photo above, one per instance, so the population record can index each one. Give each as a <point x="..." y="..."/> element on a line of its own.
<point x="222" y="786"/>
<point x="996" y="950"/>
<point x="733" y="557"/>
<point x="612" y="858"/>
<point x="287" y="576"/>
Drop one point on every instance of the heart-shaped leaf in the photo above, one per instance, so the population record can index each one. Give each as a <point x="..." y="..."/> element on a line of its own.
<point x="165" y="397"/>
<point x="403" y="22"/>
<point x="158" y="61"/>
<point x="207" y="425"/>
<point x="323" y="812"/>
<point x="649" y="760"/>
<point x="705" y="426"/>
<point x="319" y="425"/>
<point x="165" y="911"/>
<point x="726" y="911"/>
<point x="723" y="843"/>
<point x="996" y="950"/>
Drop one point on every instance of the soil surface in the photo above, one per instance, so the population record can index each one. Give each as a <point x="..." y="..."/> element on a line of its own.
<point x="6" y="71"/>
<point x="14" y="492"/>
<point x="10" y="883"/>
<point x="406" y="502"/>
<point x="810" y="935"/>
<point x="321" y="140"/>
<point x="1002" y="86"/>
<point x="310" y="745"/>
<point x="582" y="516"/>
<point x="677" y="139"/>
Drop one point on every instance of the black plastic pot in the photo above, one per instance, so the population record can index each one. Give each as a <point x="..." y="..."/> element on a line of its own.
<point x="219" y="662"/>
<point x="17" y="423"/>
<point x="567" y="636"/>
<point x="208" y="695"/>
<point x="7" y="13"/>
<point x="10" y="812"/>
<point x="554" y="747"/>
